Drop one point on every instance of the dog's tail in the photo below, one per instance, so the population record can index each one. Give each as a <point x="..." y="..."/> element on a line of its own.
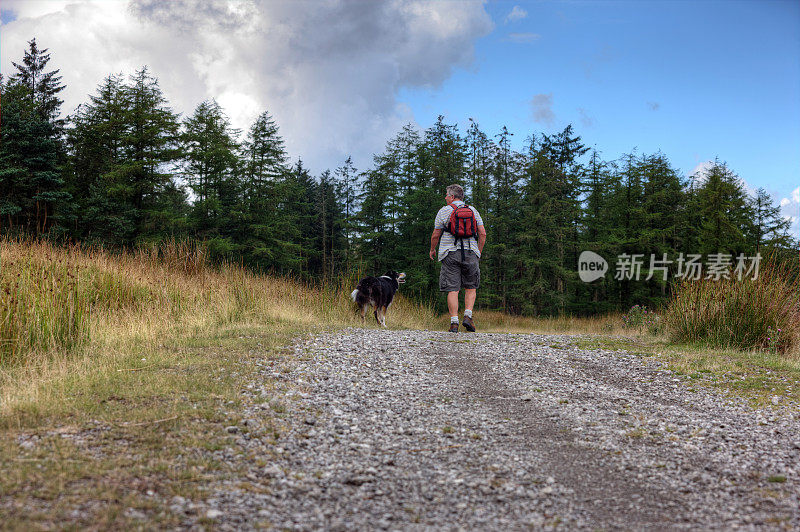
<point x="354" y="294"/>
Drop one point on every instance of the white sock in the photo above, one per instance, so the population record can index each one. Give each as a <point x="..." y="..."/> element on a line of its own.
<point x="467" y="313"/>
<point x="453" y="319"/>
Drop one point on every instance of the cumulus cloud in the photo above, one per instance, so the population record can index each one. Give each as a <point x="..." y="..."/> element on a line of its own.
<point x="790" y="210"/>
<point x="517" y="13"/>
<point x="523" y="38"/>
<point x="701" y="169"/>
<point x="328" y="71"/>
<point x="542" y="109"/>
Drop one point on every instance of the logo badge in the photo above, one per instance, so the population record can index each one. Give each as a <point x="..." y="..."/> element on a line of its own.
<point x="591" y="266"/>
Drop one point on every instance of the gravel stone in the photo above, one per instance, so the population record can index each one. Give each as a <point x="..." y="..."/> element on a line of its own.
<point x="415" y="430"/>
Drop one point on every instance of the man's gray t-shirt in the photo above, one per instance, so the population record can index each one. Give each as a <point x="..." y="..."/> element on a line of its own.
<point x="448" y="242"/>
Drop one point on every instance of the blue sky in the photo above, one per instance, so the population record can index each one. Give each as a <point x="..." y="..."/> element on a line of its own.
<point x="697" y="80"/>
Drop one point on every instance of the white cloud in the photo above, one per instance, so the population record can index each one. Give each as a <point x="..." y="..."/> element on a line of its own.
<point x="517" y="13"/>
<point x="699" y="172"/>
<point x="328" y="71"/>
<point x="542" y="109"/>
<point x="523" y="38"/>
<point x="790" y="210"/>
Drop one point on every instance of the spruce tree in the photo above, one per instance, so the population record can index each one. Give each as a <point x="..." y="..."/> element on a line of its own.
<point x="598" y="185"/>
<point x="211" y="167"/>
<point x="43" y="87"/>
<point x="346" y="177"/>
<point x="299" y="196"/>
<point x="124" y="146"/>
<point x="31" y="184"/>
<point x="664" y="206"/>
<point x="264" y="233"/>
<point x="725" y="212"/>
<point x="767" y="228"/>
<point x="500" y="265"/>
<point x="151" y="151"/>
<point x="97" y="142"/>
<point x="331" y="224"/>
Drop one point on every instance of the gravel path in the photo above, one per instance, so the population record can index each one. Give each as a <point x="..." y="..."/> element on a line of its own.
<point x="416" y="430"/>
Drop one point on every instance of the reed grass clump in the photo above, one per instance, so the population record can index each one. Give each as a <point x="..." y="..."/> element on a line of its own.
<point x="761" y="313"/>
<point x="42" y="308"/>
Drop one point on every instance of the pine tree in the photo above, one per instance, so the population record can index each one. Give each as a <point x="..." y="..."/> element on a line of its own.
<point x="211" y="167"/>
<point x="346" y="177"/>
<point x="724" y="210"/>
<point x="151" y="150"/>
<point x="31" y="183"/>
<point x="265" y="236"/>
<point x="664" y="206"/>
<point x="123" y="146"/>
<point x="768" y="227"/>
<point x="43" y="87"/>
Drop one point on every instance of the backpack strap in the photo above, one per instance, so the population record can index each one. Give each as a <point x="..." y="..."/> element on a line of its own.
<point x="463" y="256"/>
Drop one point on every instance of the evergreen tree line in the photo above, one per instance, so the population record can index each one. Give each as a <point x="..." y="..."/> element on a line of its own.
<point x="125" y="170"/>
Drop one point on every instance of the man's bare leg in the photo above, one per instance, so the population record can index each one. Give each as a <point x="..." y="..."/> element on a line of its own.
<point x="452" y="303"/>
<point x="469" y="299"/>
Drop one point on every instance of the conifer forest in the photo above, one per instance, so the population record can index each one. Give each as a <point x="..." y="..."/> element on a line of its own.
<point x="125" y="170"/>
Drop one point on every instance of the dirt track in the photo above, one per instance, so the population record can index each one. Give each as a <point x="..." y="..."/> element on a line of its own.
<point x="419" y="430"/>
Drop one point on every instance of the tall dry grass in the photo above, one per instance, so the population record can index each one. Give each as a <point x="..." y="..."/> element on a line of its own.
<point x="761" y="313"/>
<point x="53" y="300"/>
<point x="72" y="313"/>
<point x="42" y="306"/>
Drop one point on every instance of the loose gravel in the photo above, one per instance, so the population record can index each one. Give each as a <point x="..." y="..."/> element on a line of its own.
<point x="418" y="430"/>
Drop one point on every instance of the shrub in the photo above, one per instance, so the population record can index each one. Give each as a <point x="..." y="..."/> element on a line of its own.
<point x="639" y="317"/>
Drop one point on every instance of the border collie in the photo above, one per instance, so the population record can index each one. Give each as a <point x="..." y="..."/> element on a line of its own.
<point x="378" y="292"/>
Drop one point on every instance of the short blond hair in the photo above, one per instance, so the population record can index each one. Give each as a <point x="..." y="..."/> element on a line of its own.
<point x="457" y="191"/>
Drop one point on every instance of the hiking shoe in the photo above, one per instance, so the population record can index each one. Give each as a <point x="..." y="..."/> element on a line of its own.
<point x="469" y="324"/>
<point x="454" y="327"/>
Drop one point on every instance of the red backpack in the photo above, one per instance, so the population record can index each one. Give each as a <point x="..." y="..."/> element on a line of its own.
<point x="462" y="225"/>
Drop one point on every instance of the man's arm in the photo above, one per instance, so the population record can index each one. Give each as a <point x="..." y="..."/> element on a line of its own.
<point x="435" y="236"/>
<point x="481" y="238"/>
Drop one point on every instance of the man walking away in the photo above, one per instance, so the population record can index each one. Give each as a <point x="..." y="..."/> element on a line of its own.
<point x="460" y="235"/>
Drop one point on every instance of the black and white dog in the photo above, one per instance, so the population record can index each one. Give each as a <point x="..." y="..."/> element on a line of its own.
<point x="378" y="292"/>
